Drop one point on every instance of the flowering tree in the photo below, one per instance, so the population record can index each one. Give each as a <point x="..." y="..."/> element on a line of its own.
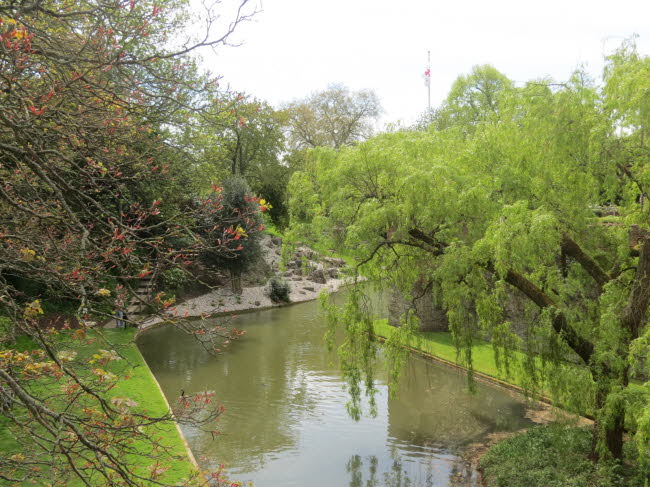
<point x="236" y="201"/>
<point x="93" y="197"/>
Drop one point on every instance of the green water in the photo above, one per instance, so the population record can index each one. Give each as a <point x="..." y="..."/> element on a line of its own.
<point x="286" y="424"/>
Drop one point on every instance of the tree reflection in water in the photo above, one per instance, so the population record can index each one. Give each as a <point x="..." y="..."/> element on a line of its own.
<point x="395" y="476"/>
<point x="367" y="473"/>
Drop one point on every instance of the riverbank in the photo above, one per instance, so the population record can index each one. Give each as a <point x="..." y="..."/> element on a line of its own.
<point x="224" y="301"/>
<point x="138" y="385"/>
<point x="439" y="346"/>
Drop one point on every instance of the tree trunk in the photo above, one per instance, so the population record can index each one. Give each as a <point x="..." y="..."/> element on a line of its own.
<point x="235" y="281"/>
<point x="609" y="426"/>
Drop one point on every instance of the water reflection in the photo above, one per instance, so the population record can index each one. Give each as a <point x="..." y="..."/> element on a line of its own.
<point x="453" y="416"/>
<point x="286" y="424"/>
<point x="398" y="471"/>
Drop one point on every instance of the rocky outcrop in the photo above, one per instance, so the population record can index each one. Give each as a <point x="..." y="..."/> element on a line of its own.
<point x="317" y="275"/>
<point x="305" y="264"/>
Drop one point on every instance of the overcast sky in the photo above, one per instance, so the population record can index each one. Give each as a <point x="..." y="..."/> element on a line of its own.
<point x="295" y="47"/>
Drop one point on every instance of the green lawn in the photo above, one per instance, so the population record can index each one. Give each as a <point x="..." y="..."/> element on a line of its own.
<point x="136" y="383"/>
<point x="441" y="345"/>
<point x="559" y="383"/>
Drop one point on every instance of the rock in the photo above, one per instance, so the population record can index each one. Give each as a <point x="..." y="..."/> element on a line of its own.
<point x="257" y="303"/>
<point x="334" y="261"/>
<point x="276" y="240"/>
<point x="309" y="288"/>
<point x="318" y="276"/>
<point x="288" y="273"/>
<point x="294" y="264"/>
<point x="333" y="273"/>
<point x="307" y="252"/>
<point x="296" y="278"/>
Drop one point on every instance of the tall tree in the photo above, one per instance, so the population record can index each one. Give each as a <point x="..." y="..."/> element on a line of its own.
<point x="243" y="136"/>
<point x="90" y="91"/>
<point x="507" y="206"/>
<point x="332" y="118"/>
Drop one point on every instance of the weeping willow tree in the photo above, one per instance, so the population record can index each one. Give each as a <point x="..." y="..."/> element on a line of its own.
<point x="545" y="203"/>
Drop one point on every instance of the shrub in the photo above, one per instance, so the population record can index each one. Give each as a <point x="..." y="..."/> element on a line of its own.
<point x="547" y="456"/>
<point x="278" y="290"/>
<point x="174" y="279"/>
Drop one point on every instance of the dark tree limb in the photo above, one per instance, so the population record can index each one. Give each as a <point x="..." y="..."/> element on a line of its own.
<point x="634" y="314"/>
<point x="572" y="249"/>
<point x="582" y="347"/>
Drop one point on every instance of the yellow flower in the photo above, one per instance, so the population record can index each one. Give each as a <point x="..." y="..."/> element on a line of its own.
<point x="103" y="292"/>
<point x="33" y="309"/>
<point x="28" y="254"/>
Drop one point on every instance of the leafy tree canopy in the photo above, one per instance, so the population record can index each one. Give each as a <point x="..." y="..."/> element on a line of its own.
<point x="536" y="192"/>
<point x="334" y="118"/>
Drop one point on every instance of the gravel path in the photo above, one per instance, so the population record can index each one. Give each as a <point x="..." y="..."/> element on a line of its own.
<point x="224" y="301"/>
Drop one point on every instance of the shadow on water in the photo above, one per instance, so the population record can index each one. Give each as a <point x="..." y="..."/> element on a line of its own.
<point x="286" y="423"/>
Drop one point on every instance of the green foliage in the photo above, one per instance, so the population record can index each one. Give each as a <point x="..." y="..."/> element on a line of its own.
<point x="358" y="352"/>
<point x="242" y="212"/>
<point x="501" y="204"/>
<point x="174" y="278"/>
<point x="242" y="136"/>
<point x="279" y="290"/>
<point x="474" y="98"/>
<point x="548" y="456"/>
<point x="270" y="227"/>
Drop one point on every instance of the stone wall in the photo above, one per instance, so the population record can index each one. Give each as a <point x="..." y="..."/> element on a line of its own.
<point x="431" y="315"/>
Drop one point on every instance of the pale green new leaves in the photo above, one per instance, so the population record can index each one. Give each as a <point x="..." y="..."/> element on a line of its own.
<point x="466" y="204"/>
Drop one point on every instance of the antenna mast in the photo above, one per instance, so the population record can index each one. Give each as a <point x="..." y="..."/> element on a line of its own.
<point x="429" y="83"/>
<point x="427" y="80"/>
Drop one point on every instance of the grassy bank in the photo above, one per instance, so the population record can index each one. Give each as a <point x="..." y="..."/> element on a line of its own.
<point x="136" y="383"/>
<point x="441" y="345"/>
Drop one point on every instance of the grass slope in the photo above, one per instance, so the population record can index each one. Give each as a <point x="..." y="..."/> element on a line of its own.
<point x="441" y="345"/>
<point x="136" y="383"/>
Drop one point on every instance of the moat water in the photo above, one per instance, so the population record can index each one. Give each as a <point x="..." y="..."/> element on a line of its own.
<point x="286" y="422"/>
